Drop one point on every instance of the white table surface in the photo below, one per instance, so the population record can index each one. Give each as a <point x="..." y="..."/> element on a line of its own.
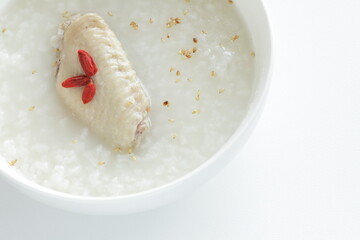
<point x="298" y="177"/>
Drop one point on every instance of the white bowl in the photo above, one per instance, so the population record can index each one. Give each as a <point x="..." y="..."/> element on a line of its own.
<point x="254" y="14"/>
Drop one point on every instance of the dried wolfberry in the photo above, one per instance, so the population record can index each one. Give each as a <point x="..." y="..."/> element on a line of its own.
<point x="87" y="63"/>
<point x="78" y="81"/>
<point x="88" y="93"/>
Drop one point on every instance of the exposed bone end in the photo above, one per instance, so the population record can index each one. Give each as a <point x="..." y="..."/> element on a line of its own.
<point x="142" y="128"/>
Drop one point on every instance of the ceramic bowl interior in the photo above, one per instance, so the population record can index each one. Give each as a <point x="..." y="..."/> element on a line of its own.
<point x="254" y="14"/>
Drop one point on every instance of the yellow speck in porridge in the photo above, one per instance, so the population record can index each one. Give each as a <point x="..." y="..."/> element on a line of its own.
<point x="101" y="163"/>
<point x="4" y="30"/>
<point x="222" y="90"/>
<point x="230" y="1"/>
<point x="33" y="72"/>
<point x="235" y="37"/>
<point x="130" y="150"/>
<point x="73" y="141"/>
<point x="252" y="54"/>
<point x="134" y="25"/>
<point x="177" y="80"/>
<point x="198" y="95"/>
<point x="110" y="14"/>
<point x="173" y="22"/>
<point x="178" y="73"/>
<point x="213" y="74"/>
<point x="174" y="136"/>
<point x="117" y="149"/>
<point x="133" y="158"/>
<point x="190" y="79"/>
<point x="32" y="108"/>
<point x="204" y="32"/>
<point x="185" y="12"/>
<point x="187" y="52"/>
<point x="151" y="21"/>
<point x="171" y="120"/>
<point x="168" y="35"/>
<point x="12" y="163"/>
<point x="172" y="69"/>
<point x="196" y="111"/>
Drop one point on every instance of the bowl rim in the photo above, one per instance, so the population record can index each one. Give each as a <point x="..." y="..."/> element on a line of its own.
<point x="253" y="111"/>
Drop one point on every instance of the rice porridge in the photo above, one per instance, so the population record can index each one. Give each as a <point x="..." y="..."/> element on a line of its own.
<point x="195" y="59"/>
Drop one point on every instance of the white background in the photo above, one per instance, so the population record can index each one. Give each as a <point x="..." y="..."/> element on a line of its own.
<point x="298" y="177"/>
